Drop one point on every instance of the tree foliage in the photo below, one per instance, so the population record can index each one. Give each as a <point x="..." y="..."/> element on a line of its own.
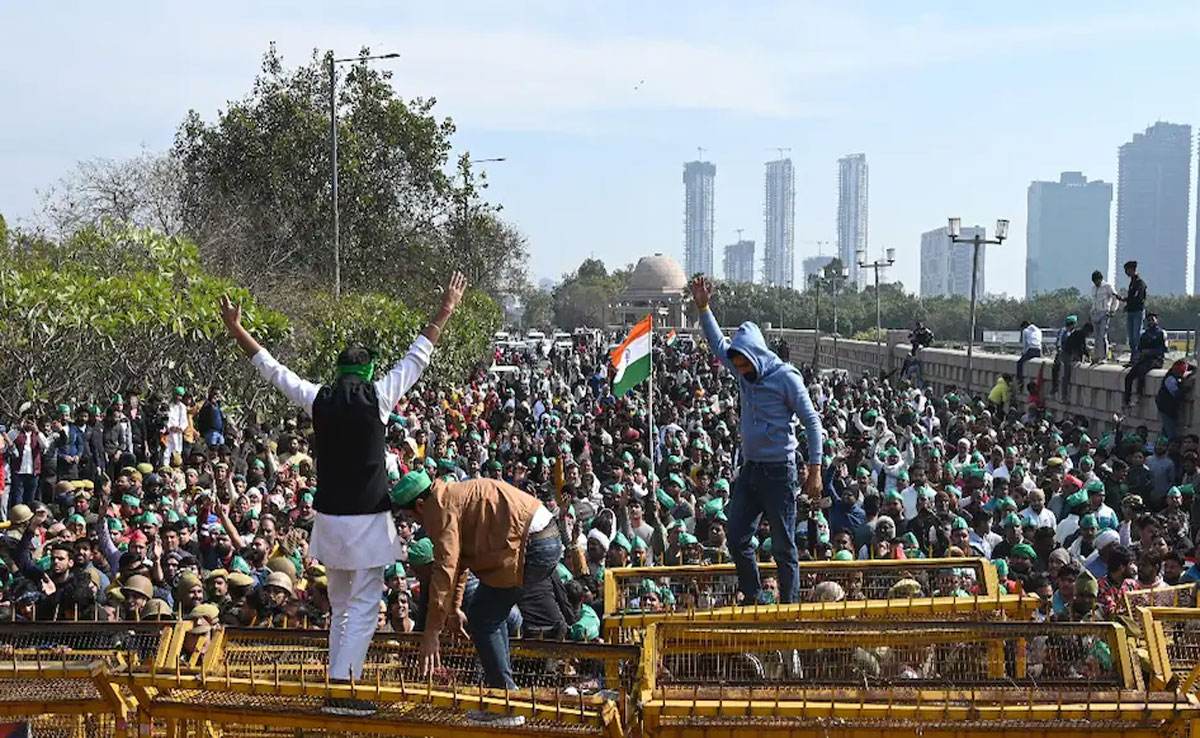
<point x="256" y="188"/>
<point x="113" y="309"/>
<point x="584" y="296"/>
<point x="102" y="312"/>
<point x="538" y="308"/>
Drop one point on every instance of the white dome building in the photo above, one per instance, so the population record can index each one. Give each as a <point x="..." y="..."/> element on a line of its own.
<point x="658" y="285"/>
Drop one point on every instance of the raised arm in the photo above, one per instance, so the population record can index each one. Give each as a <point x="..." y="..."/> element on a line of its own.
<point x="300" y="392"/>
<point x="406" y="373"/>
<point x="701" y="292"/>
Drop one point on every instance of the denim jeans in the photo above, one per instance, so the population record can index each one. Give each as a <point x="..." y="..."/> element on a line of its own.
<point x="24" y="489"/>
<point x="1030" y="353"/>
<point x="1133" y="322"/>
<point x="1100" y="321"/>
<point x="213" y="439"/>
<point x="487" y="616"/>
<point x="1170" y="425"/>
<point x="765" y="489"/>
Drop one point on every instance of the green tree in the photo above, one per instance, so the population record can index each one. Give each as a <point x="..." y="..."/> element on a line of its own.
<point x="538" y="308"/>
<point x="584" y="297"/>
<point x="255" y="188"/>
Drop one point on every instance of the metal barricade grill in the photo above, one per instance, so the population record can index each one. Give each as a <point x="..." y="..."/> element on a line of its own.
<point x="712" y="587"/>
<point x="552" y="670"/>
<point x="301" y="714"/>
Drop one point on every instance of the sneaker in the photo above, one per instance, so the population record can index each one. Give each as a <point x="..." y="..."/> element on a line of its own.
<point x="495" y="719"/>
<point x="348" y="707"/>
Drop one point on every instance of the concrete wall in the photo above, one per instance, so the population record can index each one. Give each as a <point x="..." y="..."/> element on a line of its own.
<point x="1096" y="392"/>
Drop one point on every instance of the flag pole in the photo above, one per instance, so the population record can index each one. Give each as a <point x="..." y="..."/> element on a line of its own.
<point x="650" y="399"/>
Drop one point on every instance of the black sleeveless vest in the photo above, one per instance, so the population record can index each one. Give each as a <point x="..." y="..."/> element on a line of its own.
<point x="351" y="472"/>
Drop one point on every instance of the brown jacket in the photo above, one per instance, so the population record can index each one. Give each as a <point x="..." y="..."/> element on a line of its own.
<point x="481" y="525"/>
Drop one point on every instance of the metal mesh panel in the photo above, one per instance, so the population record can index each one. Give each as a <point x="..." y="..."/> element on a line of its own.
<point x="710" y="587"/>
<point x="130" y="644"/>
<point x="1179" y="595"/>
<point x="257" y="713"/>
<point x="72" y="726"/>
<point x="801" y="656"/>
<point x="838" y="728"/>
<point x="550" y="668"/>
<point x="1173" y="636"/>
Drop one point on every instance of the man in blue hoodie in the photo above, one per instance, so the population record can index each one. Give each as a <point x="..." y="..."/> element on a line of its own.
<point x="772" y="393"/>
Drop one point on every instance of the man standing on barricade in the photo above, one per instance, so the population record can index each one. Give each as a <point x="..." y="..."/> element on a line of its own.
<point x="772" y="392"/>
<point x="353" y="534"/>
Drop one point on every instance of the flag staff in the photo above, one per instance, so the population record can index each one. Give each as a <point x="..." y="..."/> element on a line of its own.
<point x="650" y="399"/>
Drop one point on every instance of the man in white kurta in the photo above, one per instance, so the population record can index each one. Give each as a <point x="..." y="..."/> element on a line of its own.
<point x="353" y="534"/>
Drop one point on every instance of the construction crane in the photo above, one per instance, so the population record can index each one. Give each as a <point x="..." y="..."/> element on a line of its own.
<point x="781" y="149"/>
<point x="700" y="152"/>
<point x="739" y="232"/>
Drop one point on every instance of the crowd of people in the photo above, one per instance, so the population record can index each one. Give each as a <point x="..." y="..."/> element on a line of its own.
<point x="165" y="505"/>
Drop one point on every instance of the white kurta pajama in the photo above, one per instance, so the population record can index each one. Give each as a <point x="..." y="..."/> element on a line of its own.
<point x="355" y="549"/>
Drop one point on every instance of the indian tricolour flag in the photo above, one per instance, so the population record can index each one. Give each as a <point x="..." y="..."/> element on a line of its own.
<point x="631" y="359"/>
<point x="671" y="338"/>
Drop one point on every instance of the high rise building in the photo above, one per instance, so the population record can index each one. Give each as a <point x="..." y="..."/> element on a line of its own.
<point x="814" y="264"/>
<point x="1154" y="181"/>
<point x="698" y="179"/>
<point x="779" y="214"/>
<point x="1066" y="234"/>
<point x="852" y="213"/>
<point x="739" y="261"/>
<point x="946" y="266"/>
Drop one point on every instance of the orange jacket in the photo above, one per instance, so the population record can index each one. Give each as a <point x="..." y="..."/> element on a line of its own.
<point x="477" y="524"/>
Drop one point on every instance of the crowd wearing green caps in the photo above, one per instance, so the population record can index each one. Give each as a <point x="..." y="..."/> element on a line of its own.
<point x="1074" y="510"/>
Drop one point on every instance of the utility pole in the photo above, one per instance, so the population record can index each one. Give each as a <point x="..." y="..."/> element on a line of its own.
<point x="954" y="231"/>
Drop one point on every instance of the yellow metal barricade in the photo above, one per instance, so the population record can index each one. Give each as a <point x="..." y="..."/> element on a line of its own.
<point x="715" y="586"/>
<point x="899" y="678"/>
<point x="1176" y="595"/>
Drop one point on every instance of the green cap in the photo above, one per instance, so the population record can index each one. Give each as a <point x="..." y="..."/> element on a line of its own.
<point x="620" y="540"/>
<point x="714" y="506"/>
<point x="1077" y="499"/>
<point x="893" y="495"/>
<point x="1174" y="492"/>
<point x="959" y="524"/>
<point x="973" y="472"/>
<point x="687" y="539"/>
<point x="1094" y="486"/>
<point x="638" y="543"/>
<point x="1088" y="585"/>
<point x="1089" y="521"/>
<point x="1011" y="520"/>
<point x="843" y="555"/>
<point x="722" y="485"/>
<point x="420" y="552"/>
<point x="180" y="391"/>
<point x="75" y="519"/>
<point x="675" y="479"/>
<point x="1023" y="550"/>
<point x="64" y="409"/>
<point x="130" y="500"/>
<point x="410" y="487"/>
<point x="1072" y="319"/>
<point x="394" y="570"/>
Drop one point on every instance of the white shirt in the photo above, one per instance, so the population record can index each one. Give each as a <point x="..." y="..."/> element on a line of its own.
<point x="1044" y="519"/>
<point x="1104" y="299"/>
<point x="352" y="541"/>
<point x="26" y="465"/>
<point x="177" y="416"/>
<point x="1031" y="337"/>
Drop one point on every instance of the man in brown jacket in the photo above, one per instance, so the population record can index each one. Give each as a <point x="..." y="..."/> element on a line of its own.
<point x="505" y="536"/>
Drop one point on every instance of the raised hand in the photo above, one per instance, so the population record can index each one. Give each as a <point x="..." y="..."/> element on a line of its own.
<point x="701" y="291"/>
<point x="453" y="294"/>
<point x="231" y="313"/>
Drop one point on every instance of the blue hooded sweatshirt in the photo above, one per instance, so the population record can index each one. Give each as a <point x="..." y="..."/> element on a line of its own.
<point x="769" y="402"/>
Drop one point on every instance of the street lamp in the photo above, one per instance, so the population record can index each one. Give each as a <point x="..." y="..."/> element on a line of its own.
<point x="819" y="280"/>
<point x="954" y="231"/>
<point x="877" y="265"/>
<point x="333" y="142"/>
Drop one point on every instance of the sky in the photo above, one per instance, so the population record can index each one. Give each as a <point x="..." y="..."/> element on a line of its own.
<point x="596" y="104"/>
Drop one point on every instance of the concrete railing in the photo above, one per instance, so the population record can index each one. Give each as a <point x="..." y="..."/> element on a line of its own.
<point x="1095" y="392"/>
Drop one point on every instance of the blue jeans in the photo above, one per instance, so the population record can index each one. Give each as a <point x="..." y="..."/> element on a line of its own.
<point x="1170" y="425"/>
<point x="765" y="489"/>
<point x="487" y="616"/>
<point x="1133" y="322"/>
<point x="1030" y="353"/>
<point x="214" y="438"/>
<point x="24" y="489"/>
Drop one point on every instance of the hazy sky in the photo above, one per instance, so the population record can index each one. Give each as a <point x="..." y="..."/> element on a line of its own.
<point x="957" y="104"/>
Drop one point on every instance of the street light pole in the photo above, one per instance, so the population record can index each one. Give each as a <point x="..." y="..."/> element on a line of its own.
<point x="888" y="260"/>
<point x="954" y="231"/>
<point x="333" y="159"/>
